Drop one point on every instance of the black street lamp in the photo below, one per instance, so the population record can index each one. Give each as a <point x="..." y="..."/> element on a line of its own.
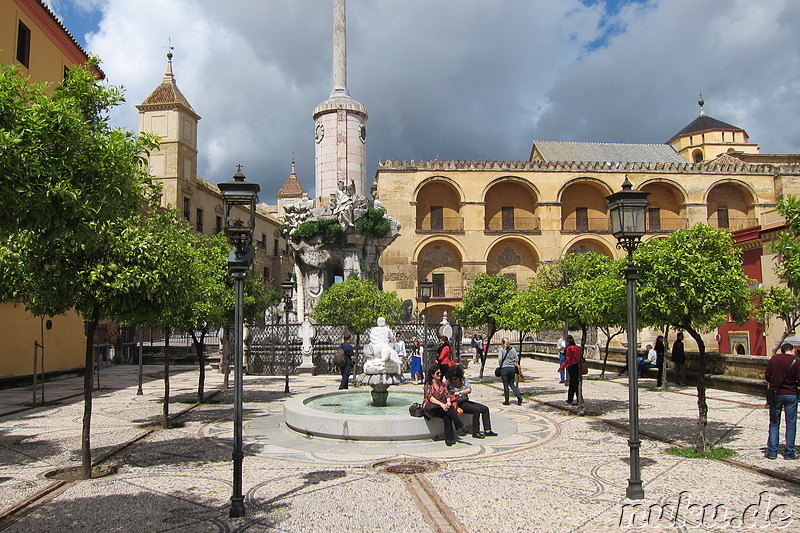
<point x="627" y="209"/>
<point x="288" y="290"/>
<point x="425" y="293"/>
<point x="242" y="196"/>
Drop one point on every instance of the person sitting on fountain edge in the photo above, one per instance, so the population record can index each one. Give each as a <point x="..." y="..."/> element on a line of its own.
<point x="459" y="390"/>
<point x="437" y="403"/>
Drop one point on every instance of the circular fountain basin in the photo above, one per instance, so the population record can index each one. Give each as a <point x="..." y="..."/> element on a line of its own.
<point x="349" y="414"/>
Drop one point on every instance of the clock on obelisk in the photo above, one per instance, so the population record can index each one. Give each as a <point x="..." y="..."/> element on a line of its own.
<point x="340" y="126"/>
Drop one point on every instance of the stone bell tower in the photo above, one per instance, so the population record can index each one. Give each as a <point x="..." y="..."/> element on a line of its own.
<point x="340" y="126"/>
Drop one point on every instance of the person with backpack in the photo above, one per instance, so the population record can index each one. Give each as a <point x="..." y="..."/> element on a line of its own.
<point x="349" y="361"/>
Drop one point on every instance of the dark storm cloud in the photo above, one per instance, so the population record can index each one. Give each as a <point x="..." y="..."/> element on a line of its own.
<point x="452" y="79"/>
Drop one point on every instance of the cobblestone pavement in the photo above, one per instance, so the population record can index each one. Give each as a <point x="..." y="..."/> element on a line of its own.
<point x="549" y="470"/>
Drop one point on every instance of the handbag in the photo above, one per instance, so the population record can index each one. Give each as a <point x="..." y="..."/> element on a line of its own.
<point x="500" y="365"/>
<point x="415" y="410"/>
<point x="584" y="368"/>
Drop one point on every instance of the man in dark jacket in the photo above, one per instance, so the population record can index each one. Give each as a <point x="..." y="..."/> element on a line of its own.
<point x="783" y="374"/>
<point x="349" y="361"/>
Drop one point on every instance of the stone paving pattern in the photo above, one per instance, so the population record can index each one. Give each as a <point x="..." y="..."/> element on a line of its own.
<point x="550" y="470"/>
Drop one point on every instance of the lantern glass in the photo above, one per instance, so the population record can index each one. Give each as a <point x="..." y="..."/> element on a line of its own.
<point x="425" y="290"/>
<point x="288" y="290"/>
<point x="627" y="210"/>
<point x="241" y="194"/>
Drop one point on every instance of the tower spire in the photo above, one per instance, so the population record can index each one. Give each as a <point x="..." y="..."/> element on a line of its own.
<point x="339" y="49"/>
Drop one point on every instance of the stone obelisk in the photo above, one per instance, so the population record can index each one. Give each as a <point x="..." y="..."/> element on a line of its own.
<point x="340" y="131"/>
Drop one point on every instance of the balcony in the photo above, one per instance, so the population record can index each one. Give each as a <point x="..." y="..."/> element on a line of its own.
<point x="590" y="225"/>
<point x="443" y="224"/>
<point x="447" y="293"/>
<point x="733" y="223"/>
<point x="666" y="225"/>
<point x="518" y="224"/>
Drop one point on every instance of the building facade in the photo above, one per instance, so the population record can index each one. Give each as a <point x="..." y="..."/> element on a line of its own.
<point x="461" y="218"/>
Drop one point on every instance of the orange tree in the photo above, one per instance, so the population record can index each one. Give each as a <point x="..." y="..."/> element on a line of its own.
<point x="693" y="281"/>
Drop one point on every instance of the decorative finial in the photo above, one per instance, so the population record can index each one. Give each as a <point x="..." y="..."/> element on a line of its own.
<point x="239" y="168"/>
<point x="701" y="103"/>
<point x="168" y="76"/>
<point x="293" y="173"/>
<point x="627" y="185"/>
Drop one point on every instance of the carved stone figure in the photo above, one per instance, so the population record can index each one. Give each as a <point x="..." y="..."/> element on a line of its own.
<point x="381" y="355"/>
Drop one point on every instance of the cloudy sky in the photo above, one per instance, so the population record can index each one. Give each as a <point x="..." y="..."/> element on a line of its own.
<point x="451" y="79"/>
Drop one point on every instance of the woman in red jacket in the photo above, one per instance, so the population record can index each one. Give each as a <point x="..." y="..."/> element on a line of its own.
<point x="573" y="365"/>
<point x="444" y="358"/>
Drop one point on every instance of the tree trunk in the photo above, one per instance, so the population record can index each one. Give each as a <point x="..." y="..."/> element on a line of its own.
<point x="200" y="349"/>
<point x="165" y="414"/>
<point x="701" y="444"/>
<point x="88" y="379"/>
<point x="492" y="331"/>
<point x="581" y="409"/>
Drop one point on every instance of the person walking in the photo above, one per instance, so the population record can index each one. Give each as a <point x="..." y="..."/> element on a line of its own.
<point x="508" y="360"/>
<point x="416" y="362"/>
<point x="679" y="359"/>
<point x="459" y="389"/>
<point x="783" y="374"/>
<point x="349" y="361"/>
<point x="474" y="345"/>
<point x="572" y="362"/>
<point x="436" y="403"/>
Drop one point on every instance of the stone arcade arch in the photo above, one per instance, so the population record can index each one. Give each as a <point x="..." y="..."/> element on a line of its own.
<point x="514" y="257"/>
<point x="666" y="211"/>
<point x="440" y="261"/>
<point x="731" y="205"/>
<point x="438" y="205"/>
<point x="510" y="205"/>
<point x="588" y="243"/>
<point x="584" y="207"/>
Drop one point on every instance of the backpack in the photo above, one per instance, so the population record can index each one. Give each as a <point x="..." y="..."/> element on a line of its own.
<point x="338" y="358"/>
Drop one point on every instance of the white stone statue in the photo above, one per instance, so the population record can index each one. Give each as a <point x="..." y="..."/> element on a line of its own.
<point x="381" y="357"/>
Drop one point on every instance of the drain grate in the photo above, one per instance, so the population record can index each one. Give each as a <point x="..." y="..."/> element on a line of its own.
<point x="407" y="465"/>
<point x="406" y="469"/>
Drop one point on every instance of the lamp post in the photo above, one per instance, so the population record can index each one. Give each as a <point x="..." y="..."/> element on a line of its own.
<point x="425" y="292"/>
<point x="242" y="195"/>
<point x="627" y="209"/>
<point x="288" y="289"/>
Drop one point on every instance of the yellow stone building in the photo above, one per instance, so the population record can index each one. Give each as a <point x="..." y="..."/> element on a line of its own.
<point x="461" y="218"/>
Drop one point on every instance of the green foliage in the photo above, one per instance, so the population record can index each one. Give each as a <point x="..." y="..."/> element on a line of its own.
<point x="328" y="228"/>
<point x="357" y="304"/>
<point x="693" y="279"/>
<point x="787" y="245"/>
<point x="62" y="166"/>
<point x="579" y="289"/>
<point x="714" y="452"/>
<point x="373" y="223"/>
<point x="784" y="302"/>
<point x="483" y="301"/>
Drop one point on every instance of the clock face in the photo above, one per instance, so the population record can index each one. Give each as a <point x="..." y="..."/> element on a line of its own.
<point x="319" y="132"/>
<point x="362" y="133"/>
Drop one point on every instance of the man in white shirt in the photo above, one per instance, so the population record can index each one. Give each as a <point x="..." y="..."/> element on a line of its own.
<point x="400" y="348"/>
<point x="649" y="361"/>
